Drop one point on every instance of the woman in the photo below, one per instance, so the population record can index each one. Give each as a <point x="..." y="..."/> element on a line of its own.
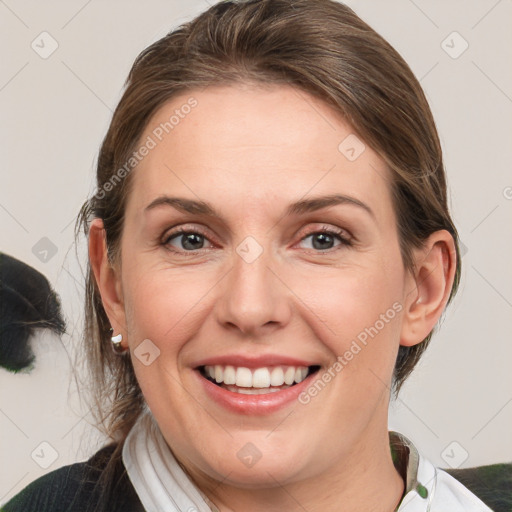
<point x="270" y="249"/>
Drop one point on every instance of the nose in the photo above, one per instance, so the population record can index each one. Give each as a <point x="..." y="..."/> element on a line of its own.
<point x="253" y="298"/>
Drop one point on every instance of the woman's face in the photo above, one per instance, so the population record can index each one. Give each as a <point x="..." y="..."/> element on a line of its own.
<point x="269" y="283"/>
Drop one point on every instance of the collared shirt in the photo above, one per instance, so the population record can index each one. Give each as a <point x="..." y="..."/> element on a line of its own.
<point x="161" y="483"/>
<point x="155" y="482"/>
<point x="427" y="488"/>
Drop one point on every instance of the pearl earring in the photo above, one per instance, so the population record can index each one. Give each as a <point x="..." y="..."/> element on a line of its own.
<point x="116" y="344"/>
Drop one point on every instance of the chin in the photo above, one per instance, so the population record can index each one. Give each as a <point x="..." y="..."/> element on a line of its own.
<point x="253" y="462"/>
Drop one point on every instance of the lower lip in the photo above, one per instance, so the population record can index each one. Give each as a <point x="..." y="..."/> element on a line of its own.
<point x="254" y="404"/>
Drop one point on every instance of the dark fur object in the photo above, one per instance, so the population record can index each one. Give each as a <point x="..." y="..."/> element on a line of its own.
<point x="27" y="302"/>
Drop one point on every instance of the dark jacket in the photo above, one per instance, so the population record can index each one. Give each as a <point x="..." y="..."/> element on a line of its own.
<point x="77" y="488"/>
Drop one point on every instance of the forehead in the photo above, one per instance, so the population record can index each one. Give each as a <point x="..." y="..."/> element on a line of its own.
<point x="254" y="146"/>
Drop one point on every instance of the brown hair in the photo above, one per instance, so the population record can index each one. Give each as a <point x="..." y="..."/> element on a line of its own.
<point x="319" y="46"/>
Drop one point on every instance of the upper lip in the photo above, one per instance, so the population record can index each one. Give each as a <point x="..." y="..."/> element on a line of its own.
<point x="246" y="361"/>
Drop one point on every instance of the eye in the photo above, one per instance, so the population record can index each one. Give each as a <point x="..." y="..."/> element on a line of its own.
<point x="323" y="239"/>
<point x="187" y="240"/>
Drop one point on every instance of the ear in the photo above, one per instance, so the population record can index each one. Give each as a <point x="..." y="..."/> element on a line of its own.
<point x="428" y="290"/>
<point x="107" y="277"/>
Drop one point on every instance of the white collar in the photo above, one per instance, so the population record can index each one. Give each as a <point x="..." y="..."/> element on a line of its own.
<point x="430" y="489"/>
<point x="157" y="477"/>
<point x="162" y="485"/>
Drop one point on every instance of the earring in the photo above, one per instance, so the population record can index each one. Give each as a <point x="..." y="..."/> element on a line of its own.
<point x="116" y="344"/>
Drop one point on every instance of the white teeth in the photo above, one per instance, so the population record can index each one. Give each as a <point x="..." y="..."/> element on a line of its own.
<point x="243" y="377"/>
<point x="254" y="391"/>
<point x="300" y="374"/>
<point x="277" y="376"/>
<point x="257" y="379"/>
<point x="261" y="378"/>
<point x="289" y="375"/>
<point x="229" y="375"/>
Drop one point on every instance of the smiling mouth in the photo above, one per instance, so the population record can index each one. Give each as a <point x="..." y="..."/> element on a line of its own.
<point x="257" y="381"/>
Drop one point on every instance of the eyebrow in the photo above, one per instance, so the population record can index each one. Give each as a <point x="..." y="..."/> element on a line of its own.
<point x="298" y="208"/>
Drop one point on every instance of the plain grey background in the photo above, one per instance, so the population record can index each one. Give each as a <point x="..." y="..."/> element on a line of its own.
<point x="55" y="109"/>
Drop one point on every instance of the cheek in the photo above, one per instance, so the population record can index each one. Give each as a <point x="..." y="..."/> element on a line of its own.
<point x="363" y="313"/>
<point x="349" y="302"/>
<point x="357" y="313"/>
<point x="163" y="304"/>
<point x="163" y="307"/>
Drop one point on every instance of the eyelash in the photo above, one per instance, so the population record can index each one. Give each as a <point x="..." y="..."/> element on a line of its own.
<point x="337" y="233"/>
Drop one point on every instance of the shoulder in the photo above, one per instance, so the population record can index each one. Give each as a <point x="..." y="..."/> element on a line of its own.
<point x="77" y="488"/>
<point x="491" y="483"/>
